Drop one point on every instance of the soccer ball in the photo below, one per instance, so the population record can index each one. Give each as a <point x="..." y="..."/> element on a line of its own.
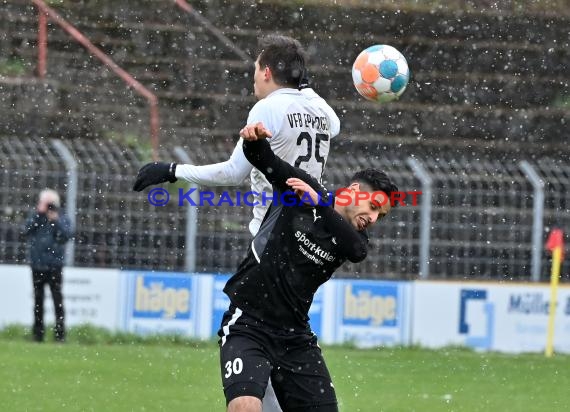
<point x="380" y="73"/>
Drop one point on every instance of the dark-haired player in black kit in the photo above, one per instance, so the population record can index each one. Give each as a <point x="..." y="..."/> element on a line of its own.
<point x="265" y="333"/>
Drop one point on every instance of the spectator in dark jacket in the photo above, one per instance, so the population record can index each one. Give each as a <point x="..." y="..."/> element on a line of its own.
<point x="47" y="230"/>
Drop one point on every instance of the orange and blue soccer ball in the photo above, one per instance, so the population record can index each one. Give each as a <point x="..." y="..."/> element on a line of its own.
<point x="380" y="73"/>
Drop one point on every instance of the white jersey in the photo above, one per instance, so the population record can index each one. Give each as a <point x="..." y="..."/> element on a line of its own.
<point x="302" y="125"/>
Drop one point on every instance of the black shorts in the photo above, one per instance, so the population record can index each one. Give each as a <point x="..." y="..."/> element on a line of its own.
<point x="250" y="353"/>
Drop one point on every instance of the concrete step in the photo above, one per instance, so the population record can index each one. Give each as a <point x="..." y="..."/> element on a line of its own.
<point x="505" y="91"/>
<point x="397" y="22"/>
<point x="484" y="54"/>
<point x="207" y="110"/>
<point x="235" y="76"/>
<point x="454" y="121"/>
<point x="147" y="41"/>
<point x="428" y="55"/>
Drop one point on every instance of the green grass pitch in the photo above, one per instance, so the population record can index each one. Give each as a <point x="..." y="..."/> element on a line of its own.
<point x="181" y="376"/>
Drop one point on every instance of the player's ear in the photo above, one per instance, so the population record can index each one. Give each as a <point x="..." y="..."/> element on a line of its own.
<point x="267" y="75"/>
<point x="354" y="186"/>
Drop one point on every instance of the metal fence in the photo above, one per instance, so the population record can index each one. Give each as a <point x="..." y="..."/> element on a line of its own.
<point x="476" y="218"/>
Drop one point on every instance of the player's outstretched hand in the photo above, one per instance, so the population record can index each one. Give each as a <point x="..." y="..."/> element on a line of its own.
<point x="301" y="188"/>
<point x="153" y="174"/>
<point x="254" y="131"/>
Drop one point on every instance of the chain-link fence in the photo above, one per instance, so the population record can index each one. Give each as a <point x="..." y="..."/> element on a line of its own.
<point x="483" y="220"/>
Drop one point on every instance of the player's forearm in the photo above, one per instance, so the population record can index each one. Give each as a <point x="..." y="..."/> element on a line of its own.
<point x="218" y="174"/>
<point x="351" y="243"/>
<point x="260" y="155"/>
<point x="276" y="170"/>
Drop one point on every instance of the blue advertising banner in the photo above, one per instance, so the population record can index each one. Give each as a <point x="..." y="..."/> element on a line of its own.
<point x="160" y="302"/>
<point x="371" y="313"/>
<point x="220" y="302"/>
<point x="316" y="312"/>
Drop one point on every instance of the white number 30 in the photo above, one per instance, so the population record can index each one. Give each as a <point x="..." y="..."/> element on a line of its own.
<point x="236" y="367"/>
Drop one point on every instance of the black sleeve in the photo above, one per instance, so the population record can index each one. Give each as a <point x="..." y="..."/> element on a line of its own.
<point x="276" y="170"/>
<point x="350" y="242"/>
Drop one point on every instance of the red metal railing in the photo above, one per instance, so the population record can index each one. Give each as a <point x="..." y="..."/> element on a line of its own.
<point x="44" y="12"/>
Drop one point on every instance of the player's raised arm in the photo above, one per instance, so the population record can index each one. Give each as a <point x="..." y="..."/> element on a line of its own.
<point x="276" y="170"/>
<point x="353" y="244"/>
<point x="232" y="172"/>
<point x="287" y="177"/>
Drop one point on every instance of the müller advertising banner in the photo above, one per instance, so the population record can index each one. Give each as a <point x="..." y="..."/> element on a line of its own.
<point x="488" y="316"/>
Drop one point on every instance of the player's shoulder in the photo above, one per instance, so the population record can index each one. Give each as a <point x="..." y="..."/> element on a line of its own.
<point x="310" y="94"/>
<point x="316" y="100"/>
<point x="275" y="105"/>
<point x="276" y="101"/>
<point x="282" y="95"/>
<point x="281" y="98"/>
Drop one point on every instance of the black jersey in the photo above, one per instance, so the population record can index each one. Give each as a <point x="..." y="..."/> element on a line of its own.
<point x="295" y="251"/>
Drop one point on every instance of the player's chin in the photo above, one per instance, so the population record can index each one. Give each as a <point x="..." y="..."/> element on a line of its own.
<point x="356" y="223"/>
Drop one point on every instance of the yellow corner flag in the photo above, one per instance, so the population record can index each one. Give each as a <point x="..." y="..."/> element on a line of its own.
<point x="555" y="244"/>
